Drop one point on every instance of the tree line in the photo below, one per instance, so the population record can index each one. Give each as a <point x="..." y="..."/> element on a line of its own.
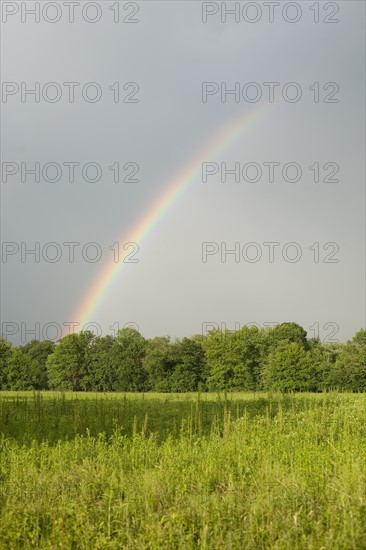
<point x="250" y="359"/>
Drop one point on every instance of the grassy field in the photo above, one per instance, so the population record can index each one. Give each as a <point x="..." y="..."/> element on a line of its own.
<point x="213" y="471"/>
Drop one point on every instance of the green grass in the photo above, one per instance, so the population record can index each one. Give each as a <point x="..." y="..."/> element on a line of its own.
<point x="215" y="471"/>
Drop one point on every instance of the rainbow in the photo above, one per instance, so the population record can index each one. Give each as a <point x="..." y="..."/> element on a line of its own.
<point x="97" y="292"/>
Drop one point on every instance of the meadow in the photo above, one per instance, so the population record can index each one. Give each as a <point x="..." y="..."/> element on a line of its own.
<point x="186" y="471"/>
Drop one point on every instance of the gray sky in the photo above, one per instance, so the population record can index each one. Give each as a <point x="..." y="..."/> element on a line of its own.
<point x="169" y="52"/>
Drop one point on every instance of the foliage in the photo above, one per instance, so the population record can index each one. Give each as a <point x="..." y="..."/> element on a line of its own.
<point x="21" y="371"/>
<point x="234" y="359"/>
<point x="286" y="333"/>
<point x="38" y="352"/>
<point x="189" y="366"/>
<point x="360" y="338"/>
<point x="68" y="367"/>
<point x="102" y="375"/>
<point x="5" y="353"/>
<point x="350" y="368"/>
<point x="290" y="367"/>
<point x="127" y="354"/>
<point x="250" y="359"/>
<point x="159" y="363"/>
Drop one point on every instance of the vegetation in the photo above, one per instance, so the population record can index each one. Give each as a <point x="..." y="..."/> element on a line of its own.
<point x="83" y="468"/>
<point x="186" y="471"/>
<point x="251" y="359"/>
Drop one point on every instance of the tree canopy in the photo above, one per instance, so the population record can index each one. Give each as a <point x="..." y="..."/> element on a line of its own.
<point x="249" y="359"/>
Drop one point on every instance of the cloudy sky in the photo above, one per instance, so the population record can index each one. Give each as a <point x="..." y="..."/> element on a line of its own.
<point x="151" y="99"/>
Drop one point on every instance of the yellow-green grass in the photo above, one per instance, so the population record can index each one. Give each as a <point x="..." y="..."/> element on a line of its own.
<point x="169" y="471"/>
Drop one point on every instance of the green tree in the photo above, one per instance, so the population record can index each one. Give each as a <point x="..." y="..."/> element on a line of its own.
<point x="324" y="358"/>
<point x="159" y="363"/>
<point x="350" y="368"/>
<point x="323" y="362"/>
<point x="22" y="371"/>
<point x="286" y="333"/>
<point x="38" y="352"/>
<point x="128" y="352"/>
<point x="219" y="361"/>
<point x="235" y="359"/>
<point x="290" y="368"/>
<point x="248" y="345"/>
<point x="360" y="338"/>
<point x="5" y="353"/>
<point x="102" y="372"/>
<point x="189" y="372"/>
<point x="68" y="366"/>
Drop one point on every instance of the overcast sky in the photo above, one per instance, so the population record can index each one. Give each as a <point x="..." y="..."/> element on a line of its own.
<point x="169" y="52"/>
